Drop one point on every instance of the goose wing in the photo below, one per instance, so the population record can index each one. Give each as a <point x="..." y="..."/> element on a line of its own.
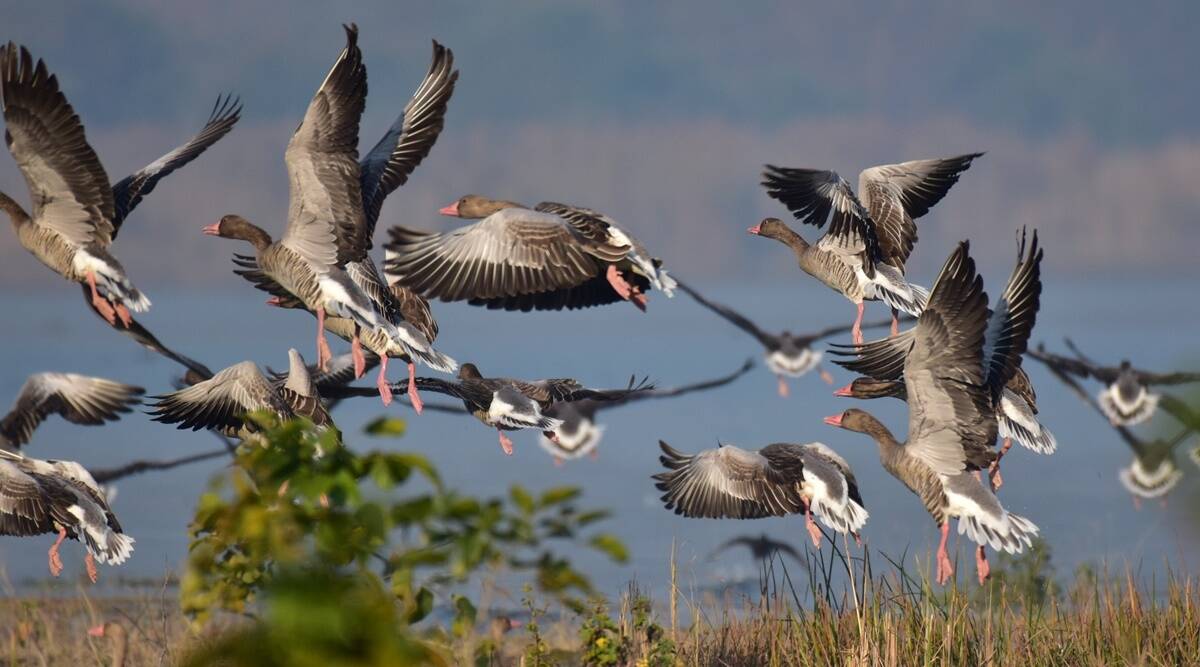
<point x="740" y="321"/>
<point x="726" y="483"/>
<point x="67" y="184"/>
<point x="77" y="398"/>
<point x="220" y="402"/>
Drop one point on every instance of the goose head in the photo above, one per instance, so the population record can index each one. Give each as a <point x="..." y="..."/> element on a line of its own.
<point x="475" y="207"/>
<point x="237" y="227"/>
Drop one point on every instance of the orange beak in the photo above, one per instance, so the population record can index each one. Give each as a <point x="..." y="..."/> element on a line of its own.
<point x="834" y="420"/>
<point x="754" y="229"/>
<point x="213" y="230"/>
<point x="451" y="210"/>
<point x="844" y="391"/>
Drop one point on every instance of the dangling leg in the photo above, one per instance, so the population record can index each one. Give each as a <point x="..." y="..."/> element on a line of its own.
<point x="994" y="469"/>
<point x="385" y="389"/>
<point x="324" y="354"/>
<point x="559" y="462"/>
<point x="813" y="531"/>
<point x="783" y="387"/>
<point x="856" y="330"/>
<point x="944" y="569"/>
<point x="123" y="313"/>
<point x="595" y="456"/>
<point x="56" y="566"/>
<point x="825" y="376"/>
<point x="638" y="298"/>
<point x="413" y="396"/>
<point x="1137" y="503"/>
<point x="505" y="443"/>
<point x="895" y="321"/>
<point x="981" y="565"/>
<point x="101" y="304"/>
<point x="356" y="353"/>
<point x="89" y="562"/>
<point x="618" y="282"/>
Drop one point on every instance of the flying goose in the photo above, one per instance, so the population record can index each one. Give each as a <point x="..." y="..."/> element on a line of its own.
<point x="326" y="227"/>
<point x="864" y="253"/>
<point x="578" y="435"/>
<point x="956" y="362"/>
<point x="382" y="170"/>
<point x="507" y="404"/>
<point x="222" y="402"/>
<point x="787" y="354"/>
<point x="549" y="257"/>
<point x="78" y="399"/>
<point x="45" y="497"/>
<point x="1126" y="399"/>
<point x="77" y="213"/>
<point x="780" y="479"/>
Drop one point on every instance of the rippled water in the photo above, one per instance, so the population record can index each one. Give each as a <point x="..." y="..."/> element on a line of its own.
<point x="1073" y="496"/>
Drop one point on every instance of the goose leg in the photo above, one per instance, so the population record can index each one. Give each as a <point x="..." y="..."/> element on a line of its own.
<point x="856" y="330"/>
<point x="56" y="565"/>
<point x="595" y="456"/>
<point x="274" y="301"/>
<point x="559" y="462"/>
<point x="981" y="565"/>
<point x="783" y="387"/>
<point x="813" y="531"/>
<point x="89" y="562"/>
<point x="123" y="313"/>
<point x="324" y="354"/>
<point x="825" y="376"/>
<point x="618" y="282"/>
<point x="413" y="396"/>
<point x="895" y="322"/>
<point x="1137" y="503"/>
<point x="505" y="443"/>
<point x="994" y="469"/>
<point x="944" y="569"/>
<point x="382" y="382"/>
<point x="100" y="303"/>
<point x="356" y="353"/>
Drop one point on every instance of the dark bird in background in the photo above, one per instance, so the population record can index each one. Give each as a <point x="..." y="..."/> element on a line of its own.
<point x="761" y="548"/>
<point x="786" y="354"/>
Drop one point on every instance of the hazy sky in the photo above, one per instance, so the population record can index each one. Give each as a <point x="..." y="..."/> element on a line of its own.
<point x="660" y="114"/>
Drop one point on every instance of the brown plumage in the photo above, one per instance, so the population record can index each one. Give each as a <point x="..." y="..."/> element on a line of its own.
<point x="77" y="398"/>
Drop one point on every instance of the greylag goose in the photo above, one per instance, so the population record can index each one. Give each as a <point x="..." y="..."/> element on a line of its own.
<point x="953" y="380"/>
<point x="892" y="197"/>
<point x="548" y="257"/>
<point x="787" y="354"/>
<point x="222" y="402"/>
<point x="77" y="213"/>
<point x="578" y="435"/>
<point x="1126" y="399"/>
<point x="46" y="497"/>
<point x="507" y="404"/>
<point x="777" y="480"/>
<point x="78" y="399"/>
<point x="382" y="170"/>
<point x="119" y="638"/>
<point x="761" y="548"/>
<point x="326" y="227"/>
<point x="1153" y="472"/>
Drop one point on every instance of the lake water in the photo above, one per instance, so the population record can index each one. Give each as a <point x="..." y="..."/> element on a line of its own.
<point x="1074" y="496"/>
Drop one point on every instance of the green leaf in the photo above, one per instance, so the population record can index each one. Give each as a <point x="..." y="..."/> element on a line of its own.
<point x="387" y="427"/>
<point x="521" y="498"/>
<point x="559" y="494"/>
<point x="423" y="605"/>
<point x="610" y="545"/>
<point x="464" y="615"/>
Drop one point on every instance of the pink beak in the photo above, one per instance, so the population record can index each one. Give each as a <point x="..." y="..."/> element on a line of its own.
<point x="834" y="420"/>
<point x="844" y="391"/>
<point x="97" y="631"/>
<point x="451" y="210"/>
<point x="213" y="229"/>
<point x="754" y="229"/>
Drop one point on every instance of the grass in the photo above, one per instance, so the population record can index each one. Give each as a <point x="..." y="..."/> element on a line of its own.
<point x="841" y="612"/>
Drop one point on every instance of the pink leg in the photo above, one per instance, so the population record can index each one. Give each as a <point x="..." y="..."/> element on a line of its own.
<point x="858" y="539"/>
<point x="385" y="389"/>
<point x="356" y="353"/>
<point x="994" y="469"/>
<point x="505" y="443"/>
<point x="558" y="462"/>
<point x="638" y="299"/>
<point x="413" y="396"/>
<point x="981" y="565"/>
<point x="90" y="563"/>
<point x="1137" y="503"/>
<point x="813" y="531"/>
<point x="274" y="301"/>
<point x="56" y="565"/>
<point x="123" y="313"/>
<point x="944" y="569"/>
<point x="895" y="322"/>
<point x="856" y="330"/>
<point x="100" y="303"/>
<point x="783" y="388"/>
<point x="618" y="282"/>
<point x="324" y="354"/>
<point x="825" y="376"/>
<point x="595" y="456"/>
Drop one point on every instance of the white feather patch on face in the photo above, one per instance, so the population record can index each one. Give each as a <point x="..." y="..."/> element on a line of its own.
<point x="574" y="445"/>
<point x="794" y="366"/>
